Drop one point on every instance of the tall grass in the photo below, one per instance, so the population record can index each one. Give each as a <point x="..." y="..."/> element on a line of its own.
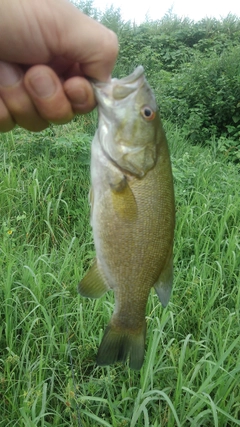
<point x="49" y="335"/>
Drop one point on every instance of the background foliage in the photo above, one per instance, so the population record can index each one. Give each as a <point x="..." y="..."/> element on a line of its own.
<point x="194" y="68"/>
<point x="49" y="335"/>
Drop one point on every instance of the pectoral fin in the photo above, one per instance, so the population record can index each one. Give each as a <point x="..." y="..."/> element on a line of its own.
<point x="93" y="285"/>
<point x="123" y="200"/>
<point x="163" y="286"/>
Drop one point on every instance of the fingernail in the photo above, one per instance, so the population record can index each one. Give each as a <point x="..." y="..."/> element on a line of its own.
<point x="9" y="74"/>
<point x="42" y="85"/>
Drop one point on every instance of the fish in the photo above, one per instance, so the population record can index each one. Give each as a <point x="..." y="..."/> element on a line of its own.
<point x="132" y="212"/>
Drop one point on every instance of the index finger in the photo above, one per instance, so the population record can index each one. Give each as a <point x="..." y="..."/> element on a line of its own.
<point x="85" y="41"/>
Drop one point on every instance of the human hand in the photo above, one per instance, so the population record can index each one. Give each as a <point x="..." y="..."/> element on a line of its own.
<point x="47" y="51"/>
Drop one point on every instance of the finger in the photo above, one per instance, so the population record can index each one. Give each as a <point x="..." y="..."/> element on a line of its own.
<point x="48" y="29"/>
<point x="64" y="67"/>
<point x="80" y="93"/>
<point x="85" y="41"/>
<point x="46" y="91"/>
<point x="6" y="121"/>
<point x="16" y="100"/>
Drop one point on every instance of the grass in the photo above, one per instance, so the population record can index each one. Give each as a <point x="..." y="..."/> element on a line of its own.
<point x="49" y="335"/>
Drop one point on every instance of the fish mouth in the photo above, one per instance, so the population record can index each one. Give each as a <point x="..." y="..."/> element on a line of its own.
<point x="117" y="89"/>
<point x="136" y="74"/>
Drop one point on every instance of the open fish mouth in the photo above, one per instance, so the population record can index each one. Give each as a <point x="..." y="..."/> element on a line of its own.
<point x="117" y="89"/>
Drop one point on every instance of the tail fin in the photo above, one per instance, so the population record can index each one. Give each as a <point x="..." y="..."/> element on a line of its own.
<point x="117" y="344"/>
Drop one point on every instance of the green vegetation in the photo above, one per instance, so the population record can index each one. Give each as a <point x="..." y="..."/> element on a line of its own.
<point x="49" y="335"/>
<point x="194" y="68"/>
<point x="191" y="372"/>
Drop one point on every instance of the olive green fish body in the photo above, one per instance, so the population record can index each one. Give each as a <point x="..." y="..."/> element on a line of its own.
<point x="132" y="216"/>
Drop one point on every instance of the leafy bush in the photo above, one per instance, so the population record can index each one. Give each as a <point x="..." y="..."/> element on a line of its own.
<point x="203" y="98"/>
<point x="193" y="67"/>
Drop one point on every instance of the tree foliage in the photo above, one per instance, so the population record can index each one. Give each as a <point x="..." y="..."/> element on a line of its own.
<point x="194" y="68"/>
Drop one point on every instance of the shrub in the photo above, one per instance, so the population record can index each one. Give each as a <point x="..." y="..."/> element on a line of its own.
<point x="204" y="96"/>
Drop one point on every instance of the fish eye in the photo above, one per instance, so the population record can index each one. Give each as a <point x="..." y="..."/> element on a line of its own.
<point x="148" y="113"/>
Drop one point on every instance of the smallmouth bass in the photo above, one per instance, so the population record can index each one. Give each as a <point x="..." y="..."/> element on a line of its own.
<point x="132" y="213"/>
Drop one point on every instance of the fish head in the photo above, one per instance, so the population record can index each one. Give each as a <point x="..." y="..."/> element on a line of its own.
<point x="129" y="122"/>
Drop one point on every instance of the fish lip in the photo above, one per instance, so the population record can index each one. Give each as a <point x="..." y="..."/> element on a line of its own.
<point x="117" y="89"/>
<point x="136" y="74"/>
